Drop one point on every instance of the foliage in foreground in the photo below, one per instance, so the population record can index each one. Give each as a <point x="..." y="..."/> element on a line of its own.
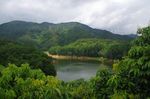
<point x="129" y="79"/>
<point x="24" y="82"/>
<point x="132" y="75"/>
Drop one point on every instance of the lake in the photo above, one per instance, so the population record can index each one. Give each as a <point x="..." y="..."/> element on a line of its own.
<point x="68" y="70"/>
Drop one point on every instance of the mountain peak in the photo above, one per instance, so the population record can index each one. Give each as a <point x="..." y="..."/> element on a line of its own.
<point x="48" y="34"/>
<point x="47" y="23"/>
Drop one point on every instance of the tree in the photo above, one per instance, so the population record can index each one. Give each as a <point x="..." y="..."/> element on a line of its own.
<point x="100" y="88"/>
<point x="15" y="53"/>
<point x="24" y="82"/>
<point x="116" y="51"/>
<point x="132" y="74"/>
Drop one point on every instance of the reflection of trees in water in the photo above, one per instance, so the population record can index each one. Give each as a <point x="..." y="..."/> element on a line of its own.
<point x="71" y="70"/>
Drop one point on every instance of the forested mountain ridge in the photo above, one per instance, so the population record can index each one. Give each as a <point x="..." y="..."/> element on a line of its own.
<point x="45" y="35"/>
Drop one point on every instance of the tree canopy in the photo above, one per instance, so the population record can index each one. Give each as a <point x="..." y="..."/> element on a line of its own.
<point x="11" y="52"/>
<point x="130" y="78"/>
<point x="112" y="49"/>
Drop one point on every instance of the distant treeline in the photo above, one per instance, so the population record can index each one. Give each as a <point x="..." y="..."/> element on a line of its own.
<point x="113" y="49"/>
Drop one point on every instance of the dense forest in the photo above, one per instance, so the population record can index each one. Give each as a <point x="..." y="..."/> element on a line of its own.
<point x="27" y="73"/>
<point x="72" y="38"/>
<point x="12" y="52"/>
<point x="111" y="49"/>
<point x="45" y="35"/>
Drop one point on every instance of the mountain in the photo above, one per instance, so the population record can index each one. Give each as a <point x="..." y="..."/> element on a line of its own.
<point x="132" y="35"/>
<point x="45" y="35"/>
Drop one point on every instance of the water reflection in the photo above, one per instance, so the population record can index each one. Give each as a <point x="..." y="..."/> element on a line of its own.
<point x="68" y="70"/>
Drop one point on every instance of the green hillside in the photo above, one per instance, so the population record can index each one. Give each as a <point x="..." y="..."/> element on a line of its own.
<point x="45" y="35"/>
<point x="93" y="47"/>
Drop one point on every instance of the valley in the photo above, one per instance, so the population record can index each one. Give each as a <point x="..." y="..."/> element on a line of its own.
<point x="72" y="61"/>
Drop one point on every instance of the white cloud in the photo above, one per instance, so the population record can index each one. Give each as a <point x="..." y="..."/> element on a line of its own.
<point x="119" y="16"/>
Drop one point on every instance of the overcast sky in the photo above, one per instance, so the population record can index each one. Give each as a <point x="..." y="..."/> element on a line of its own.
<point x="118" y="16"/>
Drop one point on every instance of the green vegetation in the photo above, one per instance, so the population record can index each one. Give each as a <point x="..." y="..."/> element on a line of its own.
<point x="112" y="49"/>
<point x="33" y="75"/>
<point x="129" y="79"/>
<point x="23" y="82"/>
<point x="11" y="52"/>
<point x="46" y="35"/>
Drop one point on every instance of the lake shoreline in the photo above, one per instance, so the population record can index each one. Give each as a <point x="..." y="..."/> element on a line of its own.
<point x="82" y="58"/>
<point x="66" y="57"/>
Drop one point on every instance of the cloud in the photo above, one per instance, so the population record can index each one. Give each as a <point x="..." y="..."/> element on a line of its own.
<point x="118" y="16"/>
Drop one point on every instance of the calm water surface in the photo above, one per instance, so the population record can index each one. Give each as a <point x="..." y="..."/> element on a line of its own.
<point x="68" y="70"/>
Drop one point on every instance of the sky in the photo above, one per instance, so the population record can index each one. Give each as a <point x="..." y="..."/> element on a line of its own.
<point x="118" y="16"/>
